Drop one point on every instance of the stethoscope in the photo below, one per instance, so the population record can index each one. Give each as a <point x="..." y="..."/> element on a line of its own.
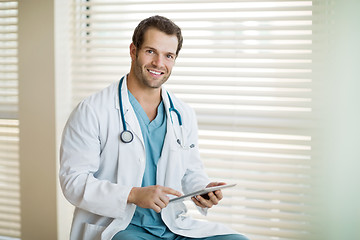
<point x="127" y="136"/>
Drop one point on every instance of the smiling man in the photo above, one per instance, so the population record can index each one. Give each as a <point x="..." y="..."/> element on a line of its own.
<point x="130" y="148"/>
<point x="153" y="61"/>
<point x="151" y="66"/>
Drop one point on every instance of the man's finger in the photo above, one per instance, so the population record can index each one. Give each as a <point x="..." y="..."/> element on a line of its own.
<point x="160" y="203"/>
<point x="213" y="198"/>
<point x="204" y="202"/>
<point x="171" y="191"/>
<point x="156" y="208"/>
<point x="165" y="200"/>
<point x="197" y="203"/>
<point x="213" y="184"/>
<point x="219" y="194"/>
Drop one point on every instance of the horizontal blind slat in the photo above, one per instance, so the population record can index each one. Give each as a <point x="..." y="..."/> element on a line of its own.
<point x="126" y="2"/>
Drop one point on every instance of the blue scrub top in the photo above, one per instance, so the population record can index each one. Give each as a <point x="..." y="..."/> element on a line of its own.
<point x="154" y="134"/>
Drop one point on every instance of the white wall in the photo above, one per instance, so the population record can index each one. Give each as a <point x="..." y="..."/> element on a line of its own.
<point x="62" y="102"/>
<point x="44" y="97"/>
<point x="338" y="211"/>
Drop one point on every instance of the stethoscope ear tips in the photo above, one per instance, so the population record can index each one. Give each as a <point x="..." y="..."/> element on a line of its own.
<point x="179" y="142"/>
<point x="126" y="136"/>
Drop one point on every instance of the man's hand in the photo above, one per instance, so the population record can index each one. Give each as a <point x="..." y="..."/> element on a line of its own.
<point x="153" y="197"/>
<point x="214" y="197"/>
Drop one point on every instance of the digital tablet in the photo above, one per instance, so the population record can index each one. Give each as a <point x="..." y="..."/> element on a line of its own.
<point x="201" y="192"/>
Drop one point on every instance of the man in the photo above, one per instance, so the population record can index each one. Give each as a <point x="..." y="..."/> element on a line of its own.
<point x="129" y="148"/>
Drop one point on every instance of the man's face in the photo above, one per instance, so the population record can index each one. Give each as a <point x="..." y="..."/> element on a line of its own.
<point x="153" y="61"/>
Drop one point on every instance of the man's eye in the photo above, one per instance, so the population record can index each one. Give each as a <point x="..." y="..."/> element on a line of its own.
<point x="150" y="51"/>
<point x="170" y="56"/>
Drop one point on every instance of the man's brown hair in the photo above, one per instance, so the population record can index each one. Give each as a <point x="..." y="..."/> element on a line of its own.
<point x="163" y="24"/>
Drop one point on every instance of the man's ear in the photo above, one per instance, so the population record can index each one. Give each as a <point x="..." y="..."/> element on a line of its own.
<point x="132" y="51"/>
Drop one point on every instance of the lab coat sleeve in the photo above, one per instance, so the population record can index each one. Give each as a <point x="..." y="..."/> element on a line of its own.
<point x="79" y="162"/>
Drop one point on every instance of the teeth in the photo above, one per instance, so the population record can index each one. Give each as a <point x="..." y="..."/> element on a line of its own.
<point x="153" y="72"/>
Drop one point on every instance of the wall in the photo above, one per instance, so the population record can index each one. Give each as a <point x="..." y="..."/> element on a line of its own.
<point x="43" y="91"/>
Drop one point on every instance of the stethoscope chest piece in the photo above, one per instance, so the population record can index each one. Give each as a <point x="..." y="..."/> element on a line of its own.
<point x="126" y="136"/>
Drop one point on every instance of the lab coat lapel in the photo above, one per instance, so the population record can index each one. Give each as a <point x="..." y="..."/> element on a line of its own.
<point x="170" y="148"/>
<point x="170" y="138"/>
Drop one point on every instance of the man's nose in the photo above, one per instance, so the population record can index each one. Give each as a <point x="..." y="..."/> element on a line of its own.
<point x="158" y="61"/>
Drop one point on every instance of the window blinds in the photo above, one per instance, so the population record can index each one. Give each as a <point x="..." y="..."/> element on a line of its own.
<point x="9" y="126"/>
<point x="245" y="67"/>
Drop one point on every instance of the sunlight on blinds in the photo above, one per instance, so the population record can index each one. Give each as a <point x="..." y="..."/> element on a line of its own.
<point x="9" y="125"/>
<point x="246" y="69"/>
<point x="9" y="179"/>
<point x="8" y="59"/>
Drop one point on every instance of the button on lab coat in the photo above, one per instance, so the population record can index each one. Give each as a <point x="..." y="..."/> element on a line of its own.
<point x="97" y="170"/>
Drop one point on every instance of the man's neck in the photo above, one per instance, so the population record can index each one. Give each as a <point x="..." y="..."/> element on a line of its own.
<point x="148" y="98"/>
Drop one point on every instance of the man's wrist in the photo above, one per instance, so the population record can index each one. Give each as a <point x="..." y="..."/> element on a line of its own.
<point x="132" y="195"/>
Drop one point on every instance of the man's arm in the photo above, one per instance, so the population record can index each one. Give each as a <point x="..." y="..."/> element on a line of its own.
<point x="80" y="160"/>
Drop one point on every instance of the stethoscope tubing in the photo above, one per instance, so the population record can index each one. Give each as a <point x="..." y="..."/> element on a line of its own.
<point x="126" y="136"/>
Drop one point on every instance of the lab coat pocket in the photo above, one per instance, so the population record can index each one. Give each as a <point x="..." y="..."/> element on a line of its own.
<point x="92" y="231"/>
<point x="182" y="220"/>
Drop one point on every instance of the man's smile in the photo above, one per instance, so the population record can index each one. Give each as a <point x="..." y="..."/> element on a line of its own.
<point x="155" y="72"/>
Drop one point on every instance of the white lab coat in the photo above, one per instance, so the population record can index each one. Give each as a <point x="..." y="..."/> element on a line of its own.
<point x="97" y="170"/>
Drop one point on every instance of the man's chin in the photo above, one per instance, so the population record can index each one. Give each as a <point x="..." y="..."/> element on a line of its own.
<point x="156" y="83"/>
